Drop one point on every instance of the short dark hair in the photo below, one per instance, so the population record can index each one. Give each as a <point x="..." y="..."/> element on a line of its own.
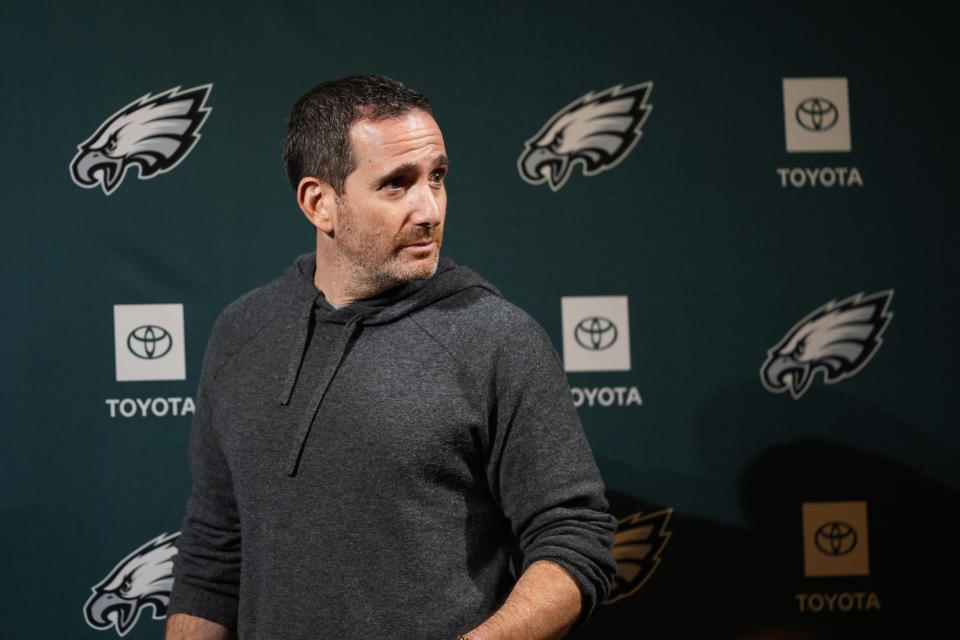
<point x="317" y="142"/>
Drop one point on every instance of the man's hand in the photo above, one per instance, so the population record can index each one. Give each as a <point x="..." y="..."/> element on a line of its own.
<point x="543" y="605"/>
<point x="181" y="626"/>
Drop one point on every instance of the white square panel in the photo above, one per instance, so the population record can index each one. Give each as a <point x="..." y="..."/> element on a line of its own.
<point x="596" y="333"/>
<point x="835" y="539"/>
<point x="816" y="114"/>
<point x="148" y="342"/>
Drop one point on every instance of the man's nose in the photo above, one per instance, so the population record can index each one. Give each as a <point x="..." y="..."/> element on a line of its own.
<point x="429" y="207"/>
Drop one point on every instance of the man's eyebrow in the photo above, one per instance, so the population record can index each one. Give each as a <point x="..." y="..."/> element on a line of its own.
<point x="397" y="172"/>
<point x="410" y="167"/>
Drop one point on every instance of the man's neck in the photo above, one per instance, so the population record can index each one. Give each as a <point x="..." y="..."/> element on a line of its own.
<point x="347" y="292"/>
<point x="341" y="283"/>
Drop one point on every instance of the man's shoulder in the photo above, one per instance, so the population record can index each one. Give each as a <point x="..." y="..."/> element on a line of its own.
<point x="477" y="308"/>
<point x="477" y="318"/>
<point x="247" y="317"/>
<point x="258" y="304"/>
<point x="275" y="296"/>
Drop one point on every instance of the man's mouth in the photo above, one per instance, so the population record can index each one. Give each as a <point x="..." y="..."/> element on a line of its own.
<point x="424" y="245"/>
<point x="419" y="243"/>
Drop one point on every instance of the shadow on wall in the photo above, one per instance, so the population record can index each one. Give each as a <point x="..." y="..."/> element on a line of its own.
<point x="748" y="583"/>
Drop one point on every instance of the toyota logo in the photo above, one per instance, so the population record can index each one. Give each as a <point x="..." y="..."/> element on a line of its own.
<point x="149" y="342"/>
<point x="817" y="114"/>
<point x="835" y="538"/>
<point x="595" y="333"/>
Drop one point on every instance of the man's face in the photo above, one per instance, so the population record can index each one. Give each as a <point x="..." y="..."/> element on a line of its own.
<point x="390" y="215"/>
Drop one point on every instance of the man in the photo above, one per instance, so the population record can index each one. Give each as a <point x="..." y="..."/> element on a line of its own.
<point x="382" y="443"/>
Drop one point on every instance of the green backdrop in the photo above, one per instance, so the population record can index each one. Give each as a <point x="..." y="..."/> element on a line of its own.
<point x="717" y="254"/>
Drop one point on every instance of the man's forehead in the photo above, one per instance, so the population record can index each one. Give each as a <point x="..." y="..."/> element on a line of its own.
<point x="408" y="132"/>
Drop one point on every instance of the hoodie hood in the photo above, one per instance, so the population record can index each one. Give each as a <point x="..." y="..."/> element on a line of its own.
<point x="298" y="287"/>
<point x="449" y="279"/>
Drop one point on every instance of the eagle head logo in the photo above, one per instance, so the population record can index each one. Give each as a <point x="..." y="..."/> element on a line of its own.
<point x="838" y="339"/>
<point x="595" y="130"/>
<point x="153" y="133"/>
<point x="143" y="578"/>
<point x="636" y="548"/>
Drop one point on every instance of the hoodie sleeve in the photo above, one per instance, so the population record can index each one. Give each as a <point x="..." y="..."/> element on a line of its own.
<point x="207" y="565"/>
<point x="542" y="470"/>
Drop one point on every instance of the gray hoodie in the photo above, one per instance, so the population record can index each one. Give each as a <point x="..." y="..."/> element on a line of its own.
<point x="385" y="469"/>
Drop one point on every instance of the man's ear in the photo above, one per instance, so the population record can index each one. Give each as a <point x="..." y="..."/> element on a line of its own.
<point x="318" y="201"/>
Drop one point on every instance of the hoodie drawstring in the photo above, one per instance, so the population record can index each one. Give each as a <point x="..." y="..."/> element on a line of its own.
<point x="349" y="332"/>
<point x="299" y="349"/>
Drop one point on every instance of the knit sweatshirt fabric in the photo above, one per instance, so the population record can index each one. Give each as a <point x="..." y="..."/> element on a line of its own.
<point x="385" y="469"/>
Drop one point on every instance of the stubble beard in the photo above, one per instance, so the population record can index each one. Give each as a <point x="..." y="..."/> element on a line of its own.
<point x="375" y="265"/>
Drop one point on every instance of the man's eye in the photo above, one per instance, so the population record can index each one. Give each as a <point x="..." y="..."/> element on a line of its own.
<point x="438" y="175"/>
<point x="395" y="183"/>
